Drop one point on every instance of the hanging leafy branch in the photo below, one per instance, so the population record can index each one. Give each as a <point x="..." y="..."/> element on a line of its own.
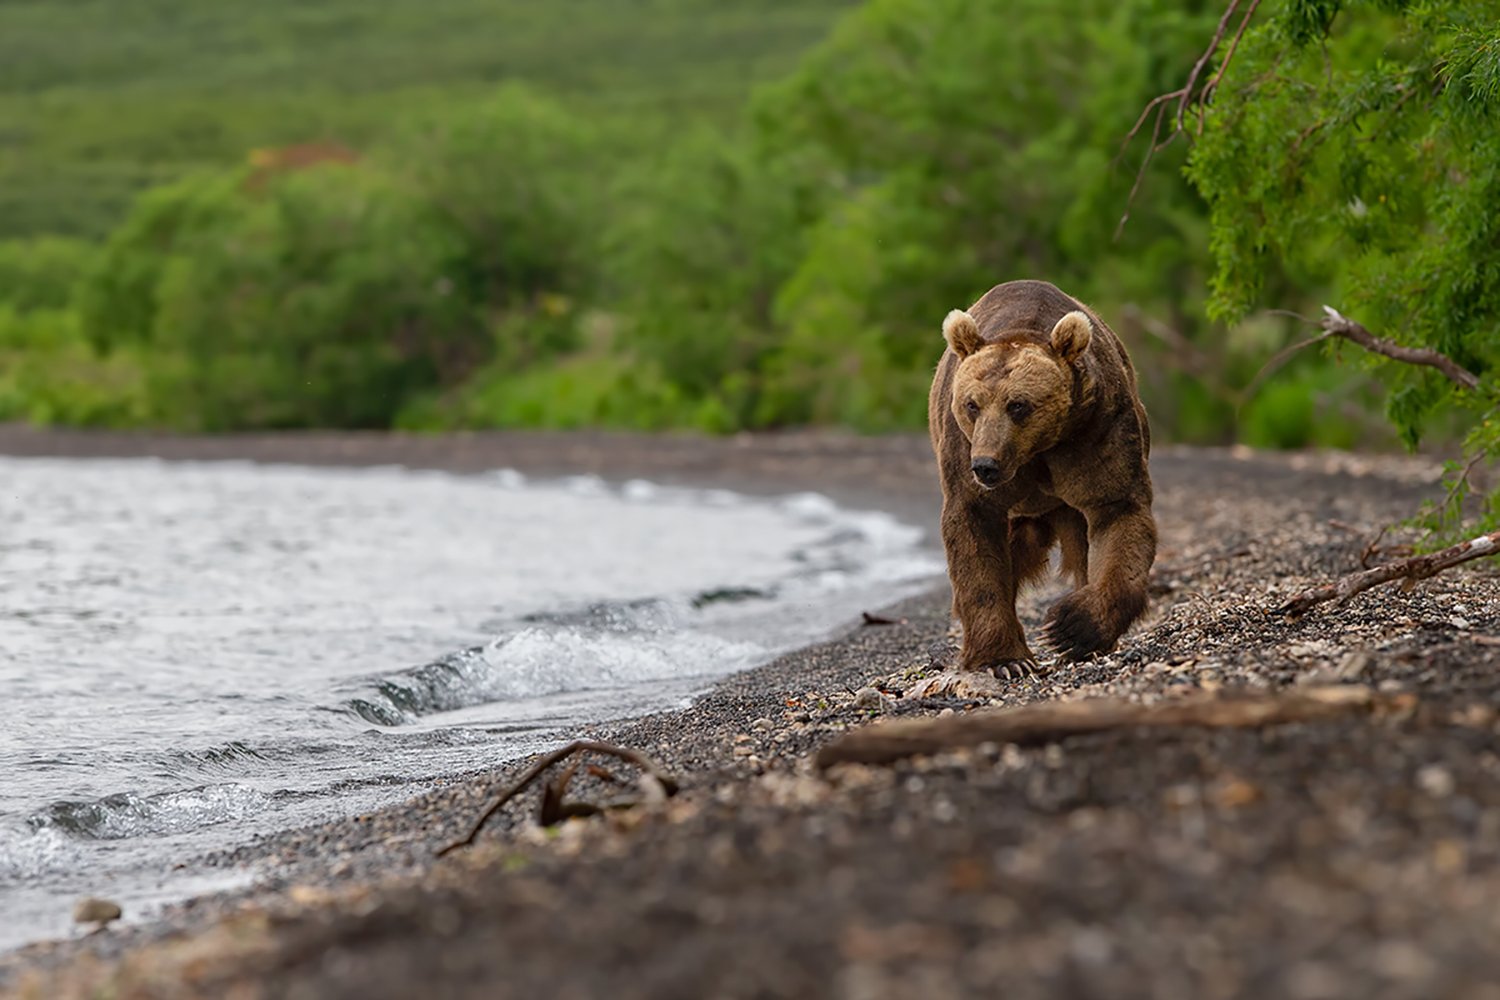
<point x="1350" y="150"/>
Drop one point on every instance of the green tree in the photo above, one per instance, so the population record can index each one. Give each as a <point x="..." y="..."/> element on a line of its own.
<point x="1353" y="148"/>
<point x="957" y="147"/>
<point x="322" y="298"/>
<point x="700" y="241"/>
<point x="337" y="292"/>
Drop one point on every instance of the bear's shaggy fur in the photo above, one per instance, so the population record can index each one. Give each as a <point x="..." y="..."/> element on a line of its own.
<point x="1041" y="440"/>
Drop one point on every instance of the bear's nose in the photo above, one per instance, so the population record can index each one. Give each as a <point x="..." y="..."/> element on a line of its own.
<point x="987" y="471"/>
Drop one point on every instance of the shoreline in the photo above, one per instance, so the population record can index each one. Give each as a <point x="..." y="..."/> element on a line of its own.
<point x="764" y="465"/>
<point x="763" y="877"/>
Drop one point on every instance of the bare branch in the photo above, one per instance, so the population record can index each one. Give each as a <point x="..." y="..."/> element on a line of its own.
<point x="1184" y="96"/>
<point x="1208" y="53"/>
<point x="1407" y="570"/>
<point x="1046" y="722"/>
<point x="1461" y="484"/>
<point x="542" y="763"/>
<point x="1155" y="147"/>
<point x="1278" y="359"/>
<point x="1340" y="325"/>
<point x="1234" y="43"/>
<point x="1136" y="128"/>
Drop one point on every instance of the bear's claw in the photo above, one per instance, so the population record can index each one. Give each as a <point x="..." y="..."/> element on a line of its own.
<point x="986" y="683"/>
<point x="1073" y="632"/>
<point x="1014" y="670"/>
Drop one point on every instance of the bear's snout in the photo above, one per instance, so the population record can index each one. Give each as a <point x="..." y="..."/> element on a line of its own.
<point x="987" y="472"/>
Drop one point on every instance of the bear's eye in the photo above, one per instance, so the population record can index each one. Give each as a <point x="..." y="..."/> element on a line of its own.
<point x="972" y="408"/>
<point x="1018" y="409"/>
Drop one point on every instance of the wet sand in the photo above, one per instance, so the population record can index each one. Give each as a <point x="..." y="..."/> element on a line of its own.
<point x="1355" y="857"/>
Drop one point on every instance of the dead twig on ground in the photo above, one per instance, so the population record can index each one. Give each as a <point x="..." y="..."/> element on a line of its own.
<point x="1409" y="571"/>
<point x="1047" y="722"/>
<point x="657" y="783"/>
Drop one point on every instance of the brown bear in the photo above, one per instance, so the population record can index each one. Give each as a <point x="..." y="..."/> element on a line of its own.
<point x="1041" y="439"/>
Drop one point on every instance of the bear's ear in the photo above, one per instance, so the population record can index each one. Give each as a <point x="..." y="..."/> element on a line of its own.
<point x="962" y="333"/>
<point x="1071" y="335"/>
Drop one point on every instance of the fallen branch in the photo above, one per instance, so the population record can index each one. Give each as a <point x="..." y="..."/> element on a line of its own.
<point x="553" y="807"/>
<point x="1340" y="325"/>
<point x="1051" y="721"/>
<point x="1407" y="570"/>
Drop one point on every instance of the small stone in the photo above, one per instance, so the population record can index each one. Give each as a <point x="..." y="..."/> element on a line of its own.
<point x="1462" y="624"/>
<point x="763" y="725"/>
<point x="1235" y="793"/>
<point x="1436" y="781"/>
<point x="946" y="713"/>
<point x="309" y="895"/>
<point x="1354" y="665"/>
<point x="92" y="910"/>
<point x="870" y="699"/>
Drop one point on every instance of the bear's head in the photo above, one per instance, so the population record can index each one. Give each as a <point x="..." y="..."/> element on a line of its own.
<point x="1013" y="394"/>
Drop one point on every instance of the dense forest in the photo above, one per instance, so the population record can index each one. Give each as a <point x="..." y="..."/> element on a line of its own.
<point x="713" y="215"/>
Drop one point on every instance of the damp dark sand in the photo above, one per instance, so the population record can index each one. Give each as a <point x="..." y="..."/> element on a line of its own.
<point x="1359" y="857"/>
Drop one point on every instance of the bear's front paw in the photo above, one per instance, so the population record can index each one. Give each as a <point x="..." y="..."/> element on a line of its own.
<point x="1074" y="631"/>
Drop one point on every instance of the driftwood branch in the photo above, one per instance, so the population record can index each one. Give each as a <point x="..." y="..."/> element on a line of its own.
<point x="1408" y="570"/>
<point x="1340" y="325"/>
<point x="552" y="801"/>
<point x="1048" y="722"/>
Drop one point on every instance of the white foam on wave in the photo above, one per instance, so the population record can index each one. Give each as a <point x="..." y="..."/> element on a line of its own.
<point x="128" y="814"/>
<point x="545" y="660"/>
<point x="849" y="556"/>
<point x="27" y="854"/>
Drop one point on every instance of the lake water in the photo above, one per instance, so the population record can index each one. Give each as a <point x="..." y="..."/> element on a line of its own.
<point x="195" y="653"/>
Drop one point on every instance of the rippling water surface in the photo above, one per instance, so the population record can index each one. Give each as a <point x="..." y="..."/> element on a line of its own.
<point x="191" y="654"/>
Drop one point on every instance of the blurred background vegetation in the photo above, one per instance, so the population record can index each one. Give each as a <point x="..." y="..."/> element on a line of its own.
<point x="727" y="214"/>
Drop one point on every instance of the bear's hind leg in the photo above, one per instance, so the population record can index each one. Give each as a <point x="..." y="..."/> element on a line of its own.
<point x="1073" y="538"/>
<point x="1031" y="541"/>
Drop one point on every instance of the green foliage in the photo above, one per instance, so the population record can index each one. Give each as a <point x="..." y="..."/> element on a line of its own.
<point x="41" y="273"/>
<point x="954" y="148"/>
<point x="319" y="298"/>
<point x="1353" y="147"/>
<point x="332" y="293"/>
<point x="98" y="102"/>
<point x="50" y="374"/>
<point x="514" y="178"/>
<point x="351" y="222"/>
<point x="699" y="246"/>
